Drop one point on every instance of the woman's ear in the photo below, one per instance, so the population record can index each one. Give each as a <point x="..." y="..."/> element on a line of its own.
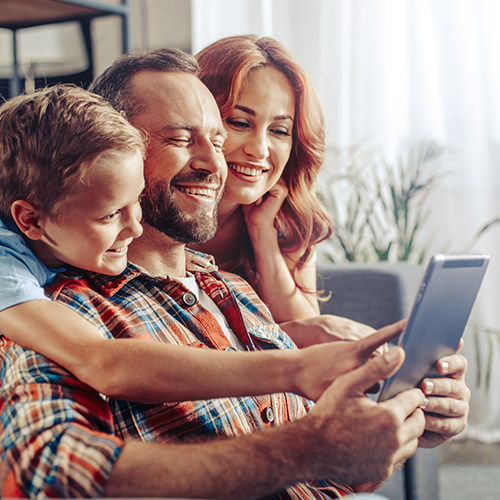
<point x="27" y="218"/>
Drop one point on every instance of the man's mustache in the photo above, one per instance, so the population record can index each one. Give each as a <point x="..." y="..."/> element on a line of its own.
<point x="196" y="177"/>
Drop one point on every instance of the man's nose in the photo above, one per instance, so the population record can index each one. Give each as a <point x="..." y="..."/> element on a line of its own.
<point x="208" y="157"/>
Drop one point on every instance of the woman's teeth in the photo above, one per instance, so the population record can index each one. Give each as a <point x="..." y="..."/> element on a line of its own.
<point x="251" y="171"/>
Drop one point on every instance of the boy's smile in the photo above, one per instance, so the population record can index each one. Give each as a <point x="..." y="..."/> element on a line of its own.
<point x="100" y="218"/>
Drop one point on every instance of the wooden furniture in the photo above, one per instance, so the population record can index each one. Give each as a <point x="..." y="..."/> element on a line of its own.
<point x="18" y="14"/>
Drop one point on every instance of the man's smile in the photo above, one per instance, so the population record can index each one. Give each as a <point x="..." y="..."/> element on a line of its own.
<point x="206" y="192"/>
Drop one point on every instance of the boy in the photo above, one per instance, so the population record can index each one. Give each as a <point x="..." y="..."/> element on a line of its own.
<point x="71" y="172"/>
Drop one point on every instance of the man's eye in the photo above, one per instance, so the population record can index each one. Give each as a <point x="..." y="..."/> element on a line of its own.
<point x="180" y="141"/>
<point x="218" y="145"/>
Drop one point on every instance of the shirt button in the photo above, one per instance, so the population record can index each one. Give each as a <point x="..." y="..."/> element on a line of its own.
<point x="268" y="415"/>
<point x="189" y="298"/>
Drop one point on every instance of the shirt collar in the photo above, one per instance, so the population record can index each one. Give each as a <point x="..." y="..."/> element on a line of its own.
<point x="109" y="285"/>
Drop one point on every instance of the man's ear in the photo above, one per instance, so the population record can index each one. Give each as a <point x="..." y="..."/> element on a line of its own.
<point x="27" y="218"/>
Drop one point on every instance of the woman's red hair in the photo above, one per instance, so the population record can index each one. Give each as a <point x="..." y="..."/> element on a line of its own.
<point x="302" y="222"/>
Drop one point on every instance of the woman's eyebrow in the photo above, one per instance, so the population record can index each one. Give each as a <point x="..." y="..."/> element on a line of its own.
<point x="251" y="112"/>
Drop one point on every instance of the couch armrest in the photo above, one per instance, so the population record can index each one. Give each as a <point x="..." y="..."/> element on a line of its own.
<point x="377" y="295"/>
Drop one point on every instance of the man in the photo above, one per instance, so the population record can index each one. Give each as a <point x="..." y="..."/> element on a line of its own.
<point x="271" y="443"/>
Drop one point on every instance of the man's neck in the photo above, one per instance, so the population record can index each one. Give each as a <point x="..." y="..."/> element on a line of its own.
<point x="158" y="254"/>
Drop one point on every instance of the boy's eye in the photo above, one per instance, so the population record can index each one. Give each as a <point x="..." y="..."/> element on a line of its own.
<point x="110" y="217"/>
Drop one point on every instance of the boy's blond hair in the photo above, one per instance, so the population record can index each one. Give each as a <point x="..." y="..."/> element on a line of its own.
<point x="49" y="140"/>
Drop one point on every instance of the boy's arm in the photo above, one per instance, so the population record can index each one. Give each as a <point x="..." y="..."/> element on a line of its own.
<point x="151" y="372"/>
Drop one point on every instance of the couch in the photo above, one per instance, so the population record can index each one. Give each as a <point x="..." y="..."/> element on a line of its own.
<point x="379" y="294"/>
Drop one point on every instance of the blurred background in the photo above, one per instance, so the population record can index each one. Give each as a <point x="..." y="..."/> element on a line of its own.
<point x="411" y="95"/>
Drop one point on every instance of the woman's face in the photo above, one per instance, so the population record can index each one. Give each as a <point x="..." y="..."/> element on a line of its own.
<point x="259" y="138"/>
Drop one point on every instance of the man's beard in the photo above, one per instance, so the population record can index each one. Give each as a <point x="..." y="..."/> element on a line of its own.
<point x="160" y="211"/>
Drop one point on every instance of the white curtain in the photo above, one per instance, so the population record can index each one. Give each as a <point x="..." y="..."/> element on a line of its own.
<point x="390" y="72"/>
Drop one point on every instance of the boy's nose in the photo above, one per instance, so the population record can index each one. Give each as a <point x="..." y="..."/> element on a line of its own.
<point x="134" y="226"/>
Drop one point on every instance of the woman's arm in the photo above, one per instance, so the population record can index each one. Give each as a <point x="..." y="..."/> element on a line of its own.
<point x="325" y="328"/>
<point x="276" y="285"/>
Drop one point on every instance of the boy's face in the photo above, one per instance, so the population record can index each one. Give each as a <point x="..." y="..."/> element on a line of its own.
<point x="98" y="221"/>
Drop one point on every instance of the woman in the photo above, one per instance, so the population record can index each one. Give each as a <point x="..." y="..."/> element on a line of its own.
<point x="269" y="217"/>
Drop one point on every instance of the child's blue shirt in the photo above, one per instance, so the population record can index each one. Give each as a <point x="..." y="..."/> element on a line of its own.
<point x="22" y="274"/>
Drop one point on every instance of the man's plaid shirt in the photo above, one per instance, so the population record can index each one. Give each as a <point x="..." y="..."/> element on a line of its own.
<point x="50" y="418"/>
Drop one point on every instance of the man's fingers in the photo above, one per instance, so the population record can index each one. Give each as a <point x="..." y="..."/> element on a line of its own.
<point x="404" y="403"/>
<point x="376" y="369"/>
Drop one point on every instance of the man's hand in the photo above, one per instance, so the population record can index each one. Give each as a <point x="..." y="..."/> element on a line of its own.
<point x="317" y="366"/>
<point x="448" y="401"/>
<point x="356" y="440"/>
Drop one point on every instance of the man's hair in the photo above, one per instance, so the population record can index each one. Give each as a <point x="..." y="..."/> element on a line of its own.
<point x="114" y="83"/>
<point x="50" y="139"/>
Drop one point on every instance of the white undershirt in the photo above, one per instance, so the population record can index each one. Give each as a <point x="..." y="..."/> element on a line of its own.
<point x="191" y="284"/>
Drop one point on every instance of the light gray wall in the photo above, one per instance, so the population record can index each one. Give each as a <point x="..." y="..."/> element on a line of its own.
<point x="154" y="24"/>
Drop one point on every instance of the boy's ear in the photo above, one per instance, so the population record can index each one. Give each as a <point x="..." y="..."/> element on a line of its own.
<point x="27" y="218"/>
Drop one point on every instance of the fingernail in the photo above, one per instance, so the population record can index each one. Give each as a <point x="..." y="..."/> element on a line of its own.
<point x="428" y="387"/>
<point x="391" y="355"/>
<point x="424" y="404"/>
<point x="445" y="366"/>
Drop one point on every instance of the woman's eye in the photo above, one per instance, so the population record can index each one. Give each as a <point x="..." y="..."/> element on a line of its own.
<point x="237" y="123"/>
<point x="281" y="131"/>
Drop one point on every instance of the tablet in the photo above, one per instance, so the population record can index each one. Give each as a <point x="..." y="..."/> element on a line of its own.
<point x="438" y="317"/>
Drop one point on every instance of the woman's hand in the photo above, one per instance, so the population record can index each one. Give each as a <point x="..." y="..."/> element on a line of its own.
<point x="260" y="216"/>
<point x="325" y="328"/>
<point x="448" y="407"/>
<point x="276" y="284"/>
